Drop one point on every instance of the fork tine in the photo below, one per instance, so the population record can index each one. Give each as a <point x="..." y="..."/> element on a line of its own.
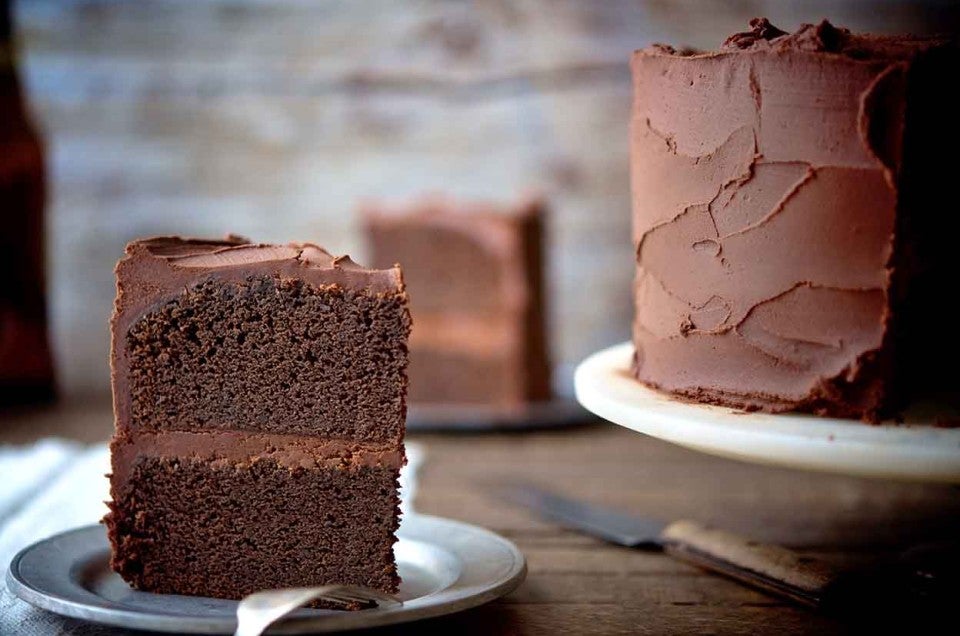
<point x="340" y="600"/>
<point x="377" y="595"/>
<point x="346" y="591"/>
<point x="257" y="611"/>
<point x="333" y="598"/>
<point x="347" y="597"/>
<point x="344" y="597"/>
<point x="365" y="596"/>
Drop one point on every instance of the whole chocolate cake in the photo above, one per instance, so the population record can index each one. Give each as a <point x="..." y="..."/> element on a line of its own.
<point x="792" y="211"/>
<point x="259" y="393"/>
<point x="475" y="273"/>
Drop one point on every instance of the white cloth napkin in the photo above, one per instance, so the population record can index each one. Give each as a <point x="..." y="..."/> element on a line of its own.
<point x="46" y="488"/>
<point x="56" y="485"/>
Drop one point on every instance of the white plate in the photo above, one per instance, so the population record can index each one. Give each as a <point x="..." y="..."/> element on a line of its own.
<point x="446" y="566"/>
<point x="915" y="450"/>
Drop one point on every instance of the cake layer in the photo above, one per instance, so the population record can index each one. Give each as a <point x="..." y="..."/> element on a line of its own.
<point x="766" y="208"/>
<point x="468" y="379"/>
<point x="468" y="334"/>
<point x="259" y="338"/>
<point x="194" y="527"/>
<point x="467" y="358"/>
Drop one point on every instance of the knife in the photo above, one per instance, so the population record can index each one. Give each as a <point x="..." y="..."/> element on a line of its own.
<point x="778" y="571"/>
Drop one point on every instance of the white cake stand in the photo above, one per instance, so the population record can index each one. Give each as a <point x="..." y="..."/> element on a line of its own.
<point x="916" y="450"/>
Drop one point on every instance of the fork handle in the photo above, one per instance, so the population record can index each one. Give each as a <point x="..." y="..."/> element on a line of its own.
<point x="772" y="569"/>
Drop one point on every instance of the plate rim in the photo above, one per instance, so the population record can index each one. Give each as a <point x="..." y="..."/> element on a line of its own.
<point x="339" y="621"/>
<point x="910" y="452"/>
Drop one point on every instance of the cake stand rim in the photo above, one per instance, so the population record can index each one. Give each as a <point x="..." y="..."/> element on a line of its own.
<point x="911" y="452"/>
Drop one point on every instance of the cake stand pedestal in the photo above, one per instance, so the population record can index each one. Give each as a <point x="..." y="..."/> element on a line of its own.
<point x="916" y="450"/>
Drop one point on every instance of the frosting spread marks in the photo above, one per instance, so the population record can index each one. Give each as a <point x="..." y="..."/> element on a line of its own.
<point x="163" y="267"/>
<point x="764" y="200"/>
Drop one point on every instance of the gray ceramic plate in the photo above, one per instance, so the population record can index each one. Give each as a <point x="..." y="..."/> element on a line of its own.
<point x="447" y="566"/>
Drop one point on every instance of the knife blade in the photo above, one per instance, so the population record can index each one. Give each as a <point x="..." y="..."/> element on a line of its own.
<point x="610" y="525"/>
<point x="773" y="569"/>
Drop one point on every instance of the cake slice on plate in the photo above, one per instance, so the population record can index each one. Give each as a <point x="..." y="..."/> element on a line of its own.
<point x="475" y="272"/>
<point x="259" y="393"/>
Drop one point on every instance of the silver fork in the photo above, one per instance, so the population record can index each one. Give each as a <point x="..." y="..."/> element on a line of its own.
<point x="260" y="610"/>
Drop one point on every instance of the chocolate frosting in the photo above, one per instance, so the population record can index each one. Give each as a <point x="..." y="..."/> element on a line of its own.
<point x="760" y="30"/>
<point x="240" y="449"/>
<point x="764" y="197"/>
<point x="826" y="38"/>
<point x="170" y="263"/>
<point x="493" y="226"/>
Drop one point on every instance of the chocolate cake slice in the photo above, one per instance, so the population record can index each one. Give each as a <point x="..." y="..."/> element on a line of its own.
<point x="793" y="224"/>
<point x="475" y="272"/>
<point x="260" y="399"/>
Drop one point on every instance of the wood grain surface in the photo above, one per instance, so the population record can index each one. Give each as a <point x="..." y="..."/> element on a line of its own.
<point x="578" y="585"/>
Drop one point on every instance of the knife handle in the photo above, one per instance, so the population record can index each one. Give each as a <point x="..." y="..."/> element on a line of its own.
<point x="770" y="568"/>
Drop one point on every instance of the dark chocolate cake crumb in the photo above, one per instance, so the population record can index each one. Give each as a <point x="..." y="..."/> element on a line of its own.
<point x="271" y="355"/>
<point x="187" y="527"/>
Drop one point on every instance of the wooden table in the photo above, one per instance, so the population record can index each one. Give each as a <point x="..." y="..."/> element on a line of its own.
<point x="579" y="585"/>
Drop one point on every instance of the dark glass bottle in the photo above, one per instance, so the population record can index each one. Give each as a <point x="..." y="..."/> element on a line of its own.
<point x="26" y="371"/>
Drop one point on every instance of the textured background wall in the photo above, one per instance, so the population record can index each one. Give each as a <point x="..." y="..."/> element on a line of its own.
<point x="271" y="119"/>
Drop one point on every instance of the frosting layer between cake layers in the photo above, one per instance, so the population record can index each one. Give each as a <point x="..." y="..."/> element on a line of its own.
<point x="239" y="450"/>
